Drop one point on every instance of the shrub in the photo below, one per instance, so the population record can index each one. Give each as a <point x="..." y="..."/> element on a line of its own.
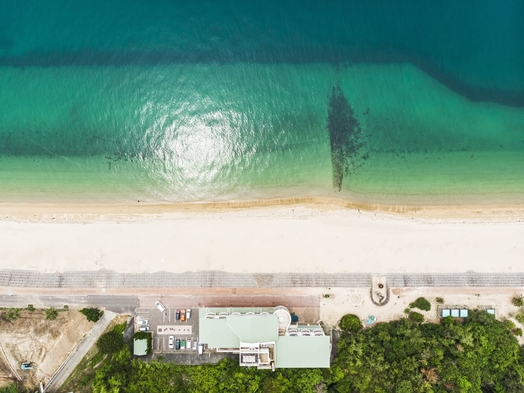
<point x="110" y="342"/>
<point x="12" y="314"/>
<point x="421" y="303"/>
<point x="439" y="300"/>
<point x="416" y="317"/>
<point x="518" y="300"/>
<point x="509" y="324"/>
<point x="518" y="332"/>
<point x="51" y="313"/>
<point x="520" y="318"/>
<point x="12" y="388"/>
<point x="30" y="307"/>
<point x="92" y="314"/>
<point x="407" y="310"/>
<point x="351" y="323"/>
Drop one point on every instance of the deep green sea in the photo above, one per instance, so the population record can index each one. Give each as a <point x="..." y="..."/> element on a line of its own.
<point x="169" y="101"/>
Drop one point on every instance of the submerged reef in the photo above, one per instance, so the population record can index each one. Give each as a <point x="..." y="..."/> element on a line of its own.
<point x="346" y="138"/>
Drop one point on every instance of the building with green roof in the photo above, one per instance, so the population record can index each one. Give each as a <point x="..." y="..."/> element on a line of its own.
<point x="264" y="338"/>
<point x="140" y="347"/>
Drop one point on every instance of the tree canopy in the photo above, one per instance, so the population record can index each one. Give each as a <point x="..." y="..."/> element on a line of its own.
<point x="351" y="323"/>
<point x="110" y="342"/>
<point x="422" y="304"/>
<point x="135" y="376"/>
<point x="92" y="314"/>
<point x="479" y="355"/>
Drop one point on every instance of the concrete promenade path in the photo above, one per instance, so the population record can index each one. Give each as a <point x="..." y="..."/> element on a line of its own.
<point x="83" y="280"/>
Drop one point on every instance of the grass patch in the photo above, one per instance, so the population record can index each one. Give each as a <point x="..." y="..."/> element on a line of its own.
<point x="13" y="314"/>
<point x="120" y="328"/>
<point x="51" y="313"/>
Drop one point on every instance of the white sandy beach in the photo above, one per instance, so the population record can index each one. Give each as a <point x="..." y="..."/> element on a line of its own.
<point x="269" y="239"/>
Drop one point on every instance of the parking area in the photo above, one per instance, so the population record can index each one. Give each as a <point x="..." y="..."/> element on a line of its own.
<point x="174" y="329"/>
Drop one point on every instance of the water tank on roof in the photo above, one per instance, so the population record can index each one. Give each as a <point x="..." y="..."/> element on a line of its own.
<point x="284" y="318"/>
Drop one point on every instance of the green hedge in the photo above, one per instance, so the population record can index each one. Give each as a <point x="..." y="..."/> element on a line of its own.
<point x="421" y="303"/>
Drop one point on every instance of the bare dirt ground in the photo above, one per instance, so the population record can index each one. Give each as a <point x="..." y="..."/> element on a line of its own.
<point x="32" y="338"/>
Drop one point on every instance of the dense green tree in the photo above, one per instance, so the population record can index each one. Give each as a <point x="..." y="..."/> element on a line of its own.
<point x="110" y="342"/>
<point x="351" y="323"/>
<point x="479" y="355"/>
<point x="416" y="316"/>
<point x="421" y="303"/>
<point x="92" y="314"/>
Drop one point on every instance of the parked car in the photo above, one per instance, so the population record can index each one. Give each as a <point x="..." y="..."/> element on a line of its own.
<point x="143" y="321"/>
<point x="144" y="328"/>
<point x="177" y="315"/>
<point x="183" y="344"/>
<point x="195" y="343"/>
<point x="182" y="315"/>
<point x="188" y="313"/>
<point x="200" y="348"/>
<point x="27" y="366"/>
<point x="177" y="344"/>
<point x="171" y="342"/>
<point x="160" y="306"/>
<point x="188" y="344"/>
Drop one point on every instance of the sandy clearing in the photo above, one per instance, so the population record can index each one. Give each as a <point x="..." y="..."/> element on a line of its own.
<point x="46" y="343"/>
<point x="283" y="239"/>
<point x="358" y="301"/>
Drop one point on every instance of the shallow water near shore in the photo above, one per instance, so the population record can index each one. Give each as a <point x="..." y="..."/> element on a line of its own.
<point x="224" y="113"/>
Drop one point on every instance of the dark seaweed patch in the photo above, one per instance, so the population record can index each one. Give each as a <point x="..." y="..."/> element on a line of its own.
<point x="346" y="137"/>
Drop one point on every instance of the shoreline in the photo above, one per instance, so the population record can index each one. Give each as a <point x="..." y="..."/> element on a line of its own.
<point x="88" y="211"/>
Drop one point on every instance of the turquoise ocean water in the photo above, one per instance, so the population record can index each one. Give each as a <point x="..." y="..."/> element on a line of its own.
<point x="169" y="101"/>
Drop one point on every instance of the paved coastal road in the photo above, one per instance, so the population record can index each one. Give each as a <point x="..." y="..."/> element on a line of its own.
<point x="115" y="303"/>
